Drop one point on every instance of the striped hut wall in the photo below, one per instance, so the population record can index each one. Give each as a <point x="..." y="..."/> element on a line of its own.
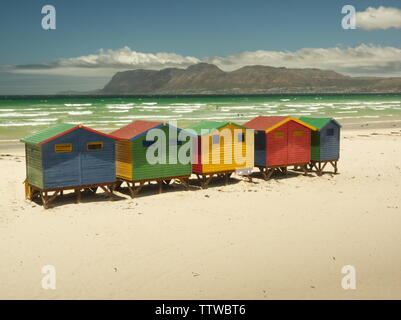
<point x="124" y="159"/>
<point x="277" y="146"/>
<point x="174" y="166"/>
<point x="97" y="166"/>
<point x="34" y="167"/>
<point x="221" y="156"/>
<point x="62" y="169"/>
<point x="330" y="144"/>
<point x="244" y="149"/>
<point x="144" y="170"/>
<point x="299" y="142"/>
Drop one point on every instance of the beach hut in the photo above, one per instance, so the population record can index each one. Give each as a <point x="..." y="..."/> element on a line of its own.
<point x="280" y="141"/>
<point x="68" y="156"/>
<point x="325" y="143"/>
<point x="220" y="149"/>
<point x="139" y="142"/>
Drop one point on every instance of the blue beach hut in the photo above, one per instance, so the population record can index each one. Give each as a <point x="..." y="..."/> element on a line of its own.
<point x="325" y="143"/>
<point x="67" y="156"/>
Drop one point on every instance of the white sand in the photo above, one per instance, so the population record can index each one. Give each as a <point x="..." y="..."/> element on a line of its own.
<point x="284" y="238"/>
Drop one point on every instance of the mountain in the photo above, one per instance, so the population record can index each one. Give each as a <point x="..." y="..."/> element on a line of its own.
<point x="206" y="78"/>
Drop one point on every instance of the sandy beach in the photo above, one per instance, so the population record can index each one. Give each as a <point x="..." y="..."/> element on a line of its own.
<point x="287" y="238"/>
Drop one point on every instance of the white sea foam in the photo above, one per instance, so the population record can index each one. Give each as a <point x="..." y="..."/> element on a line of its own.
<point x="24" y="124"/>
<point x="78" y="104"/>
<point x="79" y="113"/>
<point x="157" y="107"/>
<point x="21" y="115"/>
<point x="108" y="121"/>
<point x="118" y="111"/>
<point x="188" y="104"/>
<point x="149" y="103"/>
<point x="183" y="111"/>
<point x="120" y="106"/>
<point x="351" y="111"/>
<point x="298" y="105"/>
<point x="43" y="119"/>
<point x="147" y="117"/>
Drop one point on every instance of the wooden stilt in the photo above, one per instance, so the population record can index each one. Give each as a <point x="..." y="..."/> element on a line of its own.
<point x="46" y="199"/>
<point x="134" y="190"/>
<point x="78" y="195"/>
<point x="160" y="186"/>
<point x="319" y="166"/>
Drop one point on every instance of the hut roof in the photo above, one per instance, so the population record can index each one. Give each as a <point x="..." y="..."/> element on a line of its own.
<point x="135" y="128"/>
<point x="55" y="131"/>
<point x="206" y="126"/>
<point x="318" y="122"/>
<point x="269" y="123"/>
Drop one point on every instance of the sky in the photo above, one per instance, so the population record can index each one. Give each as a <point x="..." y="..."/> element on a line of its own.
<point x="95" y="39"/>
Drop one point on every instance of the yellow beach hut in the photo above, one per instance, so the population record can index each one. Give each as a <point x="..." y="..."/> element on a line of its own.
<point x="220" y="149"/>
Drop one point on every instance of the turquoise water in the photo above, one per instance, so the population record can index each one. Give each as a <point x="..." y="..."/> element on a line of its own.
<point x="23" y="115"/>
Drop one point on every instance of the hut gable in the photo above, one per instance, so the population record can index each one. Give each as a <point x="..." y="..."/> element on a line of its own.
<point x="269" y="123"/>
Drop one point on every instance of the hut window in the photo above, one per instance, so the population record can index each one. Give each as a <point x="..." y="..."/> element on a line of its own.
<point x="241" y="137"/>
<point x="216" y="139"/>
<point x="93" y="146"/>
<point x="298" y="133"/>
<point x="63" y="147"/>
<point x="330" y="132"/>
<point x="148" y="143"/>
<point x="279" y="134"/>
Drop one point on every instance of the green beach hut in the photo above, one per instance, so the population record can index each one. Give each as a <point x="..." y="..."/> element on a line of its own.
<point x="133" y="165"/>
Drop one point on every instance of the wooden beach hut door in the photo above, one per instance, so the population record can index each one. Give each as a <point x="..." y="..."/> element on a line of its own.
<point x="298" y="143"/>
<point x="276" y="146"/>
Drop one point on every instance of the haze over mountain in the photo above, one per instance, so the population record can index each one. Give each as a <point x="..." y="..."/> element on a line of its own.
<point x="206" y="78"/>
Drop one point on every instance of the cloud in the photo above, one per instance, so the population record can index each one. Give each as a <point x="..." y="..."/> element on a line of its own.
<point x="360" y="60"/>
<point x="109" y="61"/>
<point x="379" y="18"/>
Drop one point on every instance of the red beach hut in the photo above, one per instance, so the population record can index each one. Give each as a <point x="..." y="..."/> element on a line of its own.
<point x="280" y="141"/>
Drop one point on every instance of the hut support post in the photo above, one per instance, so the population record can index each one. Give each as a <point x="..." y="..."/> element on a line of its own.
<point x="107" y="191"/>
<point x="305" y="169"/>
<point x="269" y="173"/>
<point x="43" y="195"/>
<point x="160" y="183"/>
<point x="319" y="166"/>
<point x="78" y="194"/>
<point x="184" y="182"/>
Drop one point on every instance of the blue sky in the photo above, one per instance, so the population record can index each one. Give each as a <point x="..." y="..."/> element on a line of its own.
<point x="188" y="28"/>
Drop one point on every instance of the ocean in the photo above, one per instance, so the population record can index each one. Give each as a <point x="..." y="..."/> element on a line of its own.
<point x="20" y="116"/>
